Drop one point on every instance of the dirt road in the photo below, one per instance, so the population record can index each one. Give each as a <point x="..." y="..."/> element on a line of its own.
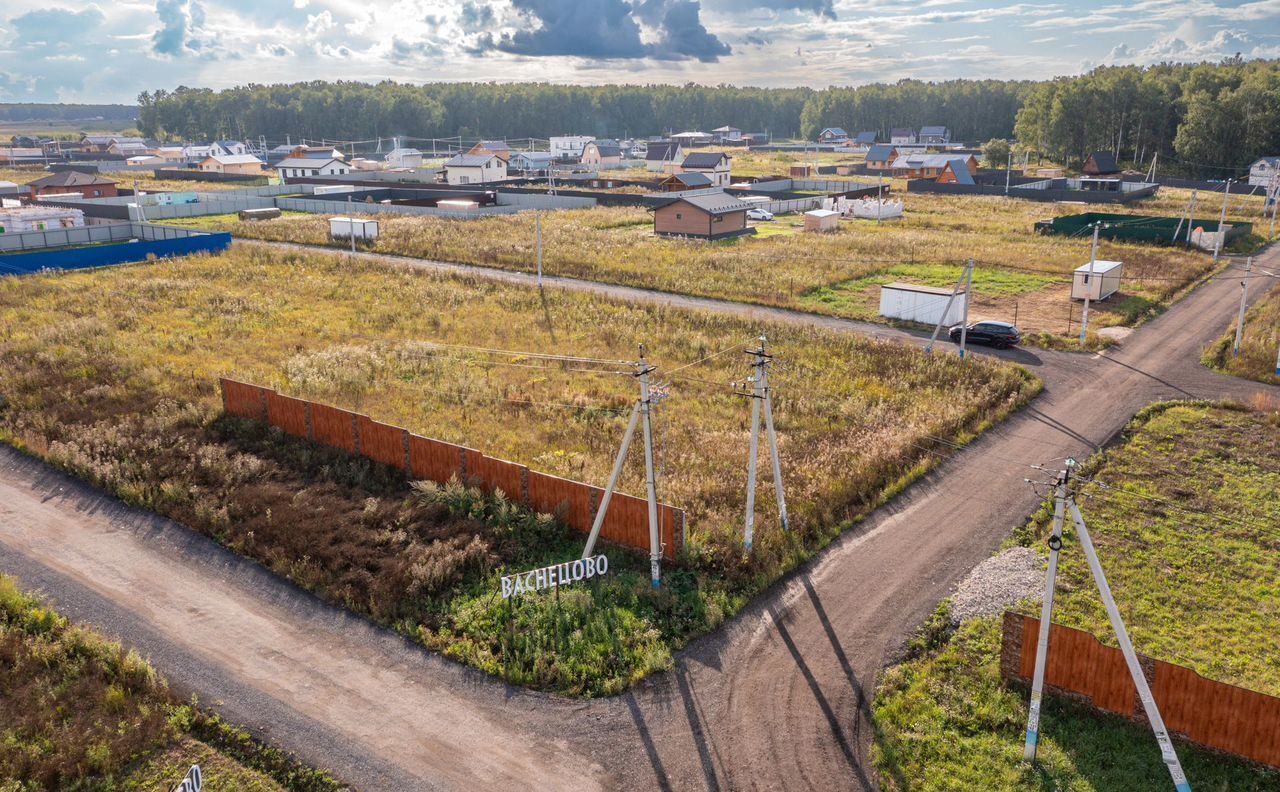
<point x="777" y="699"/>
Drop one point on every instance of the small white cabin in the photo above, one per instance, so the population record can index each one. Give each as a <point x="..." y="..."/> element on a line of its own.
<point x="1104" y="282"/>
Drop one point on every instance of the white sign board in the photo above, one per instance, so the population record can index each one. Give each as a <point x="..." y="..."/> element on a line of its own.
<point x="193" y="782"/>
<point x="554" y="576"/>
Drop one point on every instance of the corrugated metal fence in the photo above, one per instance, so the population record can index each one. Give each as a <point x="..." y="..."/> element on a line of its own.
<point x="627" y="522"/>
<point x="1213" y="714"/>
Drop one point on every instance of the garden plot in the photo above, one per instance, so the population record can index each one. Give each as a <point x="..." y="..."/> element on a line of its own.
<point x="112" y="375"/>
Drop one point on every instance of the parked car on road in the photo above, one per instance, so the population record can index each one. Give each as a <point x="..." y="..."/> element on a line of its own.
<point x="997" y="334"/>
<point x="759" y="214"/>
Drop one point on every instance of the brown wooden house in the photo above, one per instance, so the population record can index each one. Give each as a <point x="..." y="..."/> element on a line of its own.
<point x="702" y="215"/>
<point x="88" y="185"/>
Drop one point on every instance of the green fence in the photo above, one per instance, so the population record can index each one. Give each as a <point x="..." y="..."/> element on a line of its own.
<point x="1136" y="228"/>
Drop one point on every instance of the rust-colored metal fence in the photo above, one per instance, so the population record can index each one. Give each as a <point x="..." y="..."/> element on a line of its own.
<point x="627" y="522"/>
<point x="1213" y="714"/>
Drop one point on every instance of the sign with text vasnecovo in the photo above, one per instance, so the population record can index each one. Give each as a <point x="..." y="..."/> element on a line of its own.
<point x="554" y="576"/>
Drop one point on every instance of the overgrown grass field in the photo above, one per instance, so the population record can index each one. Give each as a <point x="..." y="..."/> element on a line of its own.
<point x="1186" y="532"/>
<point x="79" y="712"/>
<point x="1260" y="344"/>
<point x="112" y="374"/>
<point x="1020" y="273"/>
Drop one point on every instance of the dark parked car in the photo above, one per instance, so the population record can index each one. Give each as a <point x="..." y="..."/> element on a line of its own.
<point x="997" y="334"/>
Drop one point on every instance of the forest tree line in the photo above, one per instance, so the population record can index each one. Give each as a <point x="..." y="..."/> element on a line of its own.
<point x="1201" y="119"/>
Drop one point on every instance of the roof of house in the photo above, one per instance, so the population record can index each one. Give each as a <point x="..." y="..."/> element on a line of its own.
<point x="713" y="203"/>
<point x="535" y="156"/>
<point x="726" y="129"/>
<point x="69" y="178"/>
<point x="960" y="169"/>
<point x="662" y="151"/>
<point x="307" y="162"/>
<point x="319" y="152"/>
<point x="704" y="159"/>
<point x="691" y="135"/>
<point x="914" y="161"/>
<point x="493" y="145"/>
<point x="606" y="149"/>
<point x="227" y="144"/>
<point x="902" y="132"/>
<point x="469" y="161"/>
<point x="1104" y="162"/>
<point x="106" y="140"/>
<point x="880" y="152"/>
<point x="1272" y="161"/>
<point x="404" y="152"/>
<point x="835" y="132"/>
<point x="236" y="159"/>
<point x="691" y="179"/>
<point x="130" y="144"/>
<point x="866" y="137"/>
<point x="933" y="131"/>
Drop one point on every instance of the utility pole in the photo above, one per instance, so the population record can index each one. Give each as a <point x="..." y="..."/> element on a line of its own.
<point x="642" y="408"/>
<point x="1191" y="216"/>
<point x="537" y="223"/>
<point x="950" y="300"/>
<point x="651" y="484"/>
<point x="1244" y="297"/>
<point x="968" y="298"/>
<point x="1151" y="175"/>
<point x="1046" y="614"/>
<point x="1064" y="498"/>
<point x="1275" y="203"/>
<point x="1008" y="169"/>
<point x="1167" y="751"/>
<point x="760" y="396"/>
<point x="1222" y="218"/>
<point x="1088" y="286"/>
<point x="351" y="226"/>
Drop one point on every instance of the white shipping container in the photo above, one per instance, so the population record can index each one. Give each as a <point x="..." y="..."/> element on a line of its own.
<point x="343" y="227"/>
<point x="923" y="304"/>
<point x="1104" y="282"/>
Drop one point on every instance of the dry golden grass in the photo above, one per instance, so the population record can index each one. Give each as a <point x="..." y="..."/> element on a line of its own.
<point x="113" y="372"/>
<point x="836" y="273"/>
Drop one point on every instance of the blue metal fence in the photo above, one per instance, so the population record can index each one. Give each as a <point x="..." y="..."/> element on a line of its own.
<point x="106" y="255"/>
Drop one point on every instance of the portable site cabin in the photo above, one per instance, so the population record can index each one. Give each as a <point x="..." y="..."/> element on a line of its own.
<point x="821" y="220"/>
<point x="344" y="227"/>
<point x="923" y="304"/>
<point x="1104" y="282"/>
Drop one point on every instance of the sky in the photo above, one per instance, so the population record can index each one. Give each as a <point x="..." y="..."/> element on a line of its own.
<point x="68" y="51"/>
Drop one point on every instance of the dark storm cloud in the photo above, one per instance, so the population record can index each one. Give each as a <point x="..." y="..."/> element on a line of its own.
<point x="610" y="29"/>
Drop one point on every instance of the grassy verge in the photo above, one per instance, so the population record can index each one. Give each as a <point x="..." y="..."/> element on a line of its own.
<point x="1194" y="590"/>
<point x="1259" y="345"/>
<point x="1020" y="274"/>
<point x="79" y="712"/>
<point x="111" y="374"/>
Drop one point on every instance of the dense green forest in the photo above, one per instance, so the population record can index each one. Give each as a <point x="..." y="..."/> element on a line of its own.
<point x="1203" y="119"/>
<point x="1207" y="119"/>
<point x="360" y="111"/>
<point x="28" y="111"/>
<point x="971" y="109"/>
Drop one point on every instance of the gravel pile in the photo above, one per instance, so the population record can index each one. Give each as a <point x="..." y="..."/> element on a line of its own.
<point x="1000" y="581"/>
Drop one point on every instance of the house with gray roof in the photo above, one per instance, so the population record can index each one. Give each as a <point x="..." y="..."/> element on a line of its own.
<point x="714" y="164"/>
<point x="657" y="155"/>
<point x="702" y="214"/>
<point x="934" y="136"/>
<point x="475" y="169"/>
<point x="833" y="135"/>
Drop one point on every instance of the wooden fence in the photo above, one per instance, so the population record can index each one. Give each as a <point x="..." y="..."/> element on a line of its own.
<point x="627" y="522"/>
<point x="1213" y="714"/>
